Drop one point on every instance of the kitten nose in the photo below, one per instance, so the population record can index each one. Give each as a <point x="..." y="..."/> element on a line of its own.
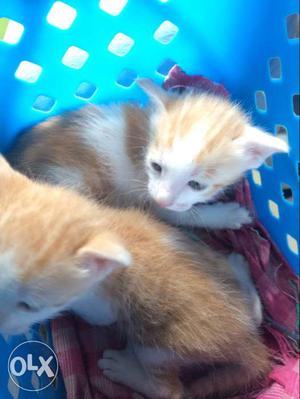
<point x="163" y="202"/>
<point x="163" y="197"/>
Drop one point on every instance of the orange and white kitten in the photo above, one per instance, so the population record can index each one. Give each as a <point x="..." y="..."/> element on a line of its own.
<point x="176" y="155"/>
<point x="177" y="303"/>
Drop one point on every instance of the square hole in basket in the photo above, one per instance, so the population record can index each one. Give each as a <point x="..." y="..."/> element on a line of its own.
<point x="28" y="71"/>
<point x="282" y="132"/>
<point x="43" y="103"/>
<point x="166" y="32"/>
<point x="75" y="57"/>
<point x="275" y="68"/>
<point x="274" y="209"/>
<point x="10" y="31"/>
<point x="287" y="192"/>
<point x="296" y="104"/>
<point x="269" y="162"/>
<point x="61" y="15"/>
<point x="256" y="177"/>
<point x="86" y="90"/>
<point x="165" y="67"/>
<point x="292" y="244"/>
<point x="112" y="7"/>
<point x="293" y="26"/>
<point x="126" y="78"/>
<point x="261" y="101"/>
<point x="121" y="44"/>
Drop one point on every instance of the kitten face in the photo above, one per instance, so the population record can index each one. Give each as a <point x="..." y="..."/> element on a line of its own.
<point x="33" y="292"/>
<point x="44" y="292"/>
<point x="31" y="298"/>
<point x="199" y="145"/>
<point x="45" y="264"/>
<point x="187" y="163"/>
<point x="174" y="186"/>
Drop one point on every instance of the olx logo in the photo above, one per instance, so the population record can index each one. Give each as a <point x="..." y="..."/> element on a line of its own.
<point x="33" y="357"/>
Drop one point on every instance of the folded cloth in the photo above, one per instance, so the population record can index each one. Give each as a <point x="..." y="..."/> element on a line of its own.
<point x="177" y="79"/>
<point x="79" y="346"/>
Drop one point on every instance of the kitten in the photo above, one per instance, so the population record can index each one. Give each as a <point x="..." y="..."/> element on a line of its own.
<point x="175" y="155"/>
<point x="177" y="303"/>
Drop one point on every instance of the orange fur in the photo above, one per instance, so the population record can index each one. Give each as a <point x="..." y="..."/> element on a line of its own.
<point x="221" y="120"/>
<point x="176" y="295"/>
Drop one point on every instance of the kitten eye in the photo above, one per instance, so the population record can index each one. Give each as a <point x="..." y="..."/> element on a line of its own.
<point x="156" y="167"/>
<point x="26" y="307"/>
<point x="196" y="185"/>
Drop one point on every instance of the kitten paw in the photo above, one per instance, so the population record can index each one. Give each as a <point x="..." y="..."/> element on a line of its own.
<point x="234" y="216"/>
<point x="122" y="367"/>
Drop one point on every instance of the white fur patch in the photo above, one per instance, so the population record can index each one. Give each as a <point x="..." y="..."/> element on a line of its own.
<point x="8" y="271"/>
<point x="185" y="150"/>
<point x="95" y="308"/>
<point x="241" y="270"/>
<point x="65" y="176"/>
<point x="106" y="134"/>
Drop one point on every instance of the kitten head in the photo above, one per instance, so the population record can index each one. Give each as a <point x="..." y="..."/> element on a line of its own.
<point x="200" y="144"/>
<point x="49" y="256"/>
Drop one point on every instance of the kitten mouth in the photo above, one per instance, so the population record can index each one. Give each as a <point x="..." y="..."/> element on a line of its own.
<point x="215" y="198"/>
<point x="205" y="203"/>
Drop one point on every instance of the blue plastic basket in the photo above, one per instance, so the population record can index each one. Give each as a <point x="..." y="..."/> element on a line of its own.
<point x="59" y="55"/>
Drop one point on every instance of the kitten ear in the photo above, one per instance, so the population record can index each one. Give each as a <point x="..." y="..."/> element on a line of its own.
<point x="102" y="255"/>
<point x="157" y="95"/>
<point x="5" y="168"/>
<point x="257" y="145"/>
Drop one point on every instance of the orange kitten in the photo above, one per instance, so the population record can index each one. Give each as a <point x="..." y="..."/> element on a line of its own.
<point x="175" y="155"/>
<point x="178" y="303"/>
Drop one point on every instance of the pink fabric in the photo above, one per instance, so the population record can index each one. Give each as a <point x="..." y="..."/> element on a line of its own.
<point x="79" y="346"/>
<point x="284" y="381"/>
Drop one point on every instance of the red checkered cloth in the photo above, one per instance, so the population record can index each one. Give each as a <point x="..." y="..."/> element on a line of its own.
<point x="79" y="346"/>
